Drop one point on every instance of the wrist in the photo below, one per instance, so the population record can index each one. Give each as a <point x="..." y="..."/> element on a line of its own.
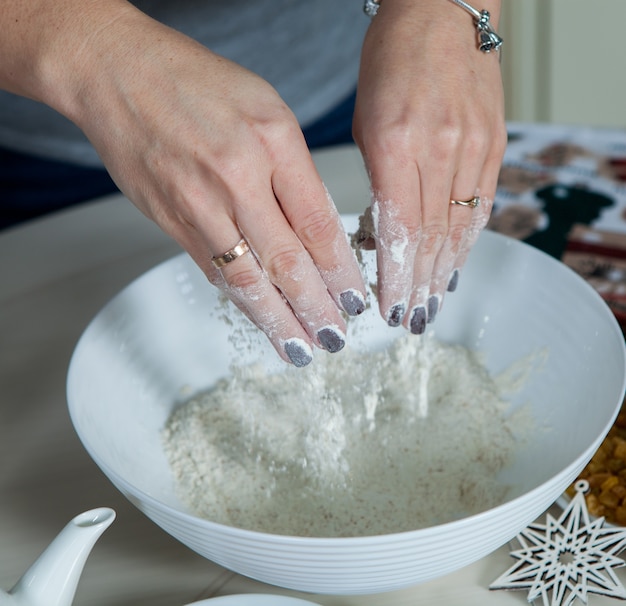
<point x="78" y="60"/>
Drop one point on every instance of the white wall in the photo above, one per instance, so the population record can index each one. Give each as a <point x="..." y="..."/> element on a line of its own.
<point x="564" y="61"/>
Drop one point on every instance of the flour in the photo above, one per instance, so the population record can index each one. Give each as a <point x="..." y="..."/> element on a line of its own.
<point x="355" y="444"/>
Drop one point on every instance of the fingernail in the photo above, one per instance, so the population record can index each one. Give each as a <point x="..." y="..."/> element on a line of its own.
<point x="331" y="339"/>
<point x="396" y="315"/>
<point x="418" y="320"/>
<point x="433" y="308"/>
<point x="298" y="352"/>
<point x="353" y="302"/>
<point x="454" y="281"/>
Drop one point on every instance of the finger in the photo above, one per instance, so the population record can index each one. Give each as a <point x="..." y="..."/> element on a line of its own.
<point x="246" y="284"/>
<point x="310" y="212"/>
<point x="446" y="269"/>
<point x="444" y="272"/>
<point x="290" y="269"/>
<point x="480" y="215"/>
<point x="396" y="227"/>
<point x="480" y="218"/>
<point x="435" y="187"/>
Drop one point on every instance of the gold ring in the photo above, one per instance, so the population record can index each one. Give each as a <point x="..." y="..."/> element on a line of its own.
<point x="472" y="202"/>
<point x="241" y="248"/>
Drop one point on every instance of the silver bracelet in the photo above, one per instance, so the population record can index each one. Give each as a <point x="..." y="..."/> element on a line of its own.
<point x="488" y="39"/>
<point x="370" y="8"/>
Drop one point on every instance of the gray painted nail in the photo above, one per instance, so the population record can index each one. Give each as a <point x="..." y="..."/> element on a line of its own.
<point x="454" y="281"/>
<point x="396" y="315"/>
<point x="418" y="320"/>
<point x="298" y="352"/>
<point x="433" y="308"/>
<point x="331" y="339"/>
<point x="353" y="302"/>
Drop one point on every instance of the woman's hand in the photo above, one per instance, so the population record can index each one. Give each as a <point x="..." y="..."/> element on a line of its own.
<point x="211" y="153"/>
<point x="429" y="121"/>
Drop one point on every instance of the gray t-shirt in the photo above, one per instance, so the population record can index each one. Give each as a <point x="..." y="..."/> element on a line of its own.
<point x="308" y="50"/>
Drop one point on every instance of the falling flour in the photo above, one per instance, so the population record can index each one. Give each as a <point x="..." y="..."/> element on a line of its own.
<point x="354" y="444"/>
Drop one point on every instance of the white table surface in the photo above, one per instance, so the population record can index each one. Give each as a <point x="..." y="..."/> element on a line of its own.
<point x="55" y="274"/>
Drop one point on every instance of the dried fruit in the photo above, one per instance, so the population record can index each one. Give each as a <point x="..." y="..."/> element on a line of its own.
<point x="606" y="474"/>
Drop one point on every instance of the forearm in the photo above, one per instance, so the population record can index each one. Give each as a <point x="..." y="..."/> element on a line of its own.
<point x="46" y="46"/>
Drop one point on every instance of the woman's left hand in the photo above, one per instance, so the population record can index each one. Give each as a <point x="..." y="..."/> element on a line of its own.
<point x="429" y="121"/>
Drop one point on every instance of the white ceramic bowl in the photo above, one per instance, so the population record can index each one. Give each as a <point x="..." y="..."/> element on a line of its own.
<point x="161" y="335"/>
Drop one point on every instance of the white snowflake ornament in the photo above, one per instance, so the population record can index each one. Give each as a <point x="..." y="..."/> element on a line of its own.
<point x="567" y="559"/>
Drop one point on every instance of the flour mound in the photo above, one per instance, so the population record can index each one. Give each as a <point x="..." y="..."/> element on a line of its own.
<point x="352" y="445"/>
